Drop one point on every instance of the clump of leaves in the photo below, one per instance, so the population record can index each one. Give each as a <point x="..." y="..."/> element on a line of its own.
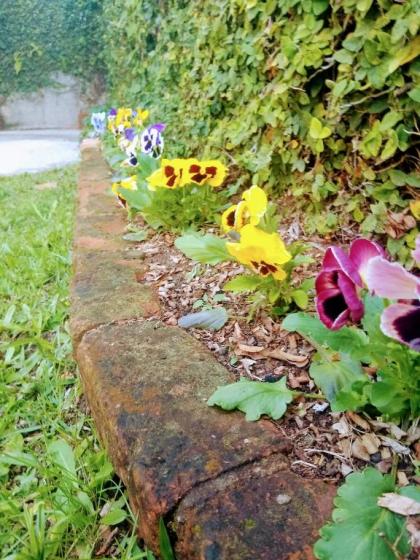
<point x="338" y="365"/>
<point x="361" y="528"/>
<point x="265" y="291"/>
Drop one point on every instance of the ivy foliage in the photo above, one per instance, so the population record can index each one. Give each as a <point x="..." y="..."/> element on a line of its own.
<point x="40" y="37"/>
<point x="315" y="98"/>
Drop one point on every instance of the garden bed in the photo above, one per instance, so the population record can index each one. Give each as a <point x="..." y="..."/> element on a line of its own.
<point x="197" y="468"/>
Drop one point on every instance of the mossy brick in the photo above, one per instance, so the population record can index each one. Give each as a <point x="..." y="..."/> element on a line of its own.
<point x="147" y="385"/>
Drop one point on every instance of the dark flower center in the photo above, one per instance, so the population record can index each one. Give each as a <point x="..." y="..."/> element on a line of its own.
<point x="334" y="306"/>
<point x="408" y="327"/>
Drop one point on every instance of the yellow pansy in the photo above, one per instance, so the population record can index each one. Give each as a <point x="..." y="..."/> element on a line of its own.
<point x="415" y="208"/>
<point x="172" y="174"/>
<point x="123" y="117"/>
<point x="141" y="117"/>
<point x="210" y="172"/>
<point x="263" y="252"/>
<point x="249" y="211"/>
<point x="130" y="183"/>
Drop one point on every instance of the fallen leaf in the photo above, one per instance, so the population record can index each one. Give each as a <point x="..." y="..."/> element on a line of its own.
<point x="414" y="534"/>
<point x="359" y="451"/>
<point x="395" y="446"/>
<point x="212" y="319"/>
<point x="245" y="349"/>
<point x="342" y="427"/>
<point x="402" y="479"/>
<point x="283" y="499"/>
<point x="277" y="354"/>
<point x="371" y="442"/>
<point x="399" y="504"/>
<point x="358" y="420"/>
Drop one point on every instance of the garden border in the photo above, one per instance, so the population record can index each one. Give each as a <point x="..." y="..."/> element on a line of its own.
<point x="222" y="485"/>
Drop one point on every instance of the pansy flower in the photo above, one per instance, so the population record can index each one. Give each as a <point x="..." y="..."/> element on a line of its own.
<point x="140" y="117"/>
<point x="210" y="172"/>
<point x="249" y="210"/>
<point x="123" y="118"/>
<point x="337" y="285"/>
<point x="130" y="183"/>
<point x="151" y="140"/>
<point x="98" y="121"/>
<point x="171" y="175"/>
<point x="263" y="252"/>
<point x="400" y="320"/>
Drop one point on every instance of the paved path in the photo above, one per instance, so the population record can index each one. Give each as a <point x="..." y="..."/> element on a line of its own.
<point x="37" y="150"/>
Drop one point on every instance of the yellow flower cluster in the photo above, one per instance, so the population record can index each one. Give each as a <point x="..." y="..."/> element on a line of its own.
<point x="176" y="173"/>
<point x="263" y="252"/>
<point x="127" y="118"/>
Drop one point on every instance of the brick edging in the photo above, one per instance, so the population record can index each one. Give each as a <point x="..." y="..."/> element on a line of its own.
<point x="218" y="481"/>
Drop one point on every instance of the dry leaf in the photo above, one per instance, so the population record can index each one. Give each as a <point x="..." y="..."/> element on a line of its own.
<point x="358" y="420"/>
<point x="402" y="479"/>
<point x="245" y="349"/>
<point x="414" y="534"/>
<point x="395" y="446"/>
<point x="342" y="427"/>
<point x="359" y="451"/>
<point x="396" y="431"/>
<point x="277" y="354"/>
<point x="371" y="442"/>
<point x="399" y="504"/>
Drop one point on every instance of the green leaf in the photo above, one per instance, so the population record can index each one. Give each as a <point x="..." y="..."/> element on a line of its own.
<point x="300" y="297"/>
<point x="207" y="248"/>
<point x="317" y="130"/>
<point x="140" y="199"/>
<point x="254" y="398"/>
<point x="335" y="375"/>
<point x="360" y="528"/>
<point x="63" y="456"/>
<point x="212" y="319"/>
<point x="348" y="339"/>
<point x="389" y="121"/>
<point x="136" y="236"/>
<point x="414" y="94"/>
<point x="165" y="546"/>
<point x="114" y="517"/>
<point x="400" y="179"/>
<point x="146" y="165"/>
<point x="243" y="283"/>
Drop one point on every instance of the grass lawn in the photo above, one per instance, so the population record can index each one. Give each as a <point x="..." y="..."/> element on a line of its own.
<point x="58" y="495"/>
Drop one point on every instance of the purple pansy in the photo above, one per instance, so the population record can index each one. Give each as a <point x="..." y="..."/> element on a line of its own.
<point x="129" y="134"/>
<point x="151" y="140"/>
<point x="338" y="283"/>
<point x="112" y="112"/>
<point x="400" y="320"/>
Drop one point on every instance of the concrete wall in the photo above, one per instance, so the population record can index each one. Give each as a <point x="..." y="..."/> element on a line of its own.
<point x="54" y="107"/>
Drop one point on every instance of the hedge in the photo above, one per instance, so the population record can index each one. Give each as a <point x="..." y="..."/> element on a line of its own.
<point x="316" y="99"/>
<point x="39" y="37"/>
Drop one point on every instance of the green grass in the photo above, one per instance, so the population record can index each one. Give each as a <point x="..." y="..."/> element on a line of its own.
<point x="55" y="481"/>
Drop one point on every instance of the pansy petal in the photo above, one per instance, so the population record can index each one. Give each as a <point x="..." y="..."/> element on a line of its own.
<point x="332" y="309"/>
<point x="402" y="322"/>
<point x="361" y="251"/>
<point x="391" y="280"/>
<point x="354" y="303"/>
<point x="336" y="259"/>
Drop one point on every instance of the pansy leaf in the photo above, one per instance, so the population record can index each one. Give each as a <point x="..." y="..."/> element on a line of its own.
<point x="207" y="249"/>
<point x="348" y="339"/>
<point x="360" y="528"/>
<point x="254" y="398"/>
<point x="243" y="283"/>
<point x="136" y="236"/>
<point x="146" y="165"/>
<point x="212" y="319"/>
<point x="336" y="375"/>
<point x="139" y="199"/>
